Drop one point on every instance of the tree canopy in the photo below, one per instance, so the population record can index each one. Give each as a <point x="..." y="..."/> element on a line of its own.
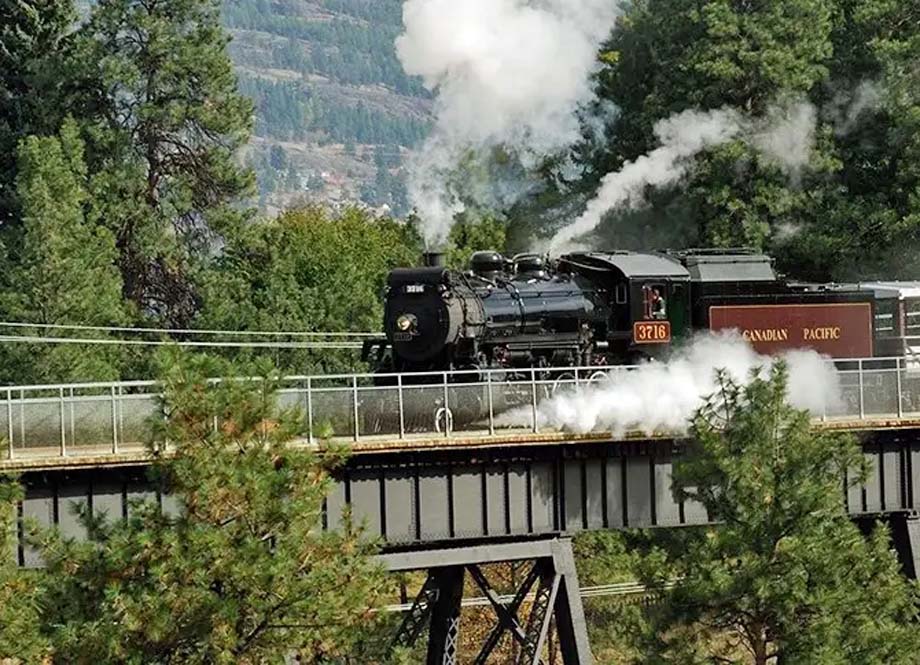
<point x="784" y="575"/>
<point x="234" y="566"/>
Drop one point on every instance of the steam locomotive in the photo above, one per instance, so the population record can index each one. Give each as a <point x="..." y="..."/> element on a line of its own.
<point x="607" y="308"/>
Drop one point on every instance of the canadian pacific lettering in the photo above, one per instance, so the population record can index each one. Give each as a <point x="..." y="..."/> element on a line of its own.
<point x="821" y="334"/>
<point x="766" y="335"/>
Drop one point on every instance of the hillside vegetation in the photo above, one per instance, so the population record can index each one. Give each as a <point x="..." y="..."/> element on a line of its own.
<point x="335" y="114"/>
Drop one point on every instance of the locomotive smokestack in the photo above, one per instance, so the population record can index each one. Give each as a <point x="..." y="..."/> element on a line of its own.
<point x="433" y="259"/>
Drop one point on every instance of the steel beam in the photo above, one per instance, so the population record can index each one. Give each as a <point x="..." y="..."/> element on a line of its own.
<point x="445" y="616"/>
<point x="464" y="556"/>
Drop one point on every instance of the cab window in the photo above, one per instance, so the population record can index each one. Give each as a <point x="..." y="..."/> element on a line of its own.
<point x="654" y="303"/>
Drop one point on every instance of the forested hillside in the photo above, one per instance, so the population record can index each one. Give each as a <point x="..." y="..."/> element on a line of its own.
<point x="335" y="114"/>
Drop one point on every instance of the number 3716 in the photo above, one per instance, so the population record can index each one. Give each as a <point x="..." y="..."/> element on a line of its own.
<point x="652" y="332"/>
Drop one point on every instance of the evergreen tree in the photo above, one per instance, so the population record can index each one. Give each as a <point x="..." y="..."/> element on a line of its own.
<point x="34" y="40"/>
<point x="785" y="576"/>
<point x="851" y="210"/>
<point x="20" y="638"/>
<point x="65" y="272"/>
<point x="166" y="125"/>
<point x="242" y="571"/>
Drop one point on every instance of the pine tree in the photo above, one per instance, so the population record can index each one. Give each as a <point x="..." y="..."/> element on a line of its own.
<point x="65" y="272"/>
<point x="20" y="637"/>
<point x="242" y="571"/>
<point x="784" y="576"/>
<point x="166" y="125"/>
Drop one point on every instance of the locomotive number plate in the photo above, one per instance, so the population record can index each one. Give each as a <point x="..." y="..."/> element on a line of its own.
<point x="402" y="337"/>
<point x="652" y="332"/>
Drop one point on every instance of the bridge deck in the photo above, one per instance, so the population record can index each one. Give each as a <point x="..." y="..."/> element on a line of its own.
<point x="84" y="457"/>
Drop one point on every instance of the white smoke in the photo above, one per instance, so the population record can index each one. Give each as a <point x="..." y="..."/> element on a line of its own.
<point x="662" y="397"/>
<point x="682" y="137"/>
<point x="787" y="136"/>
<point x="508" y="73"/>
<point x="846" y="109"/>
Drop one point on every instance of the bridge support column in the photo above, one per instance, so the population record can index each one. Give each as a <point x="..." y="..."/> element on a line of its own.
<point x="905" y="533"/>
<point x="550" y="586"/>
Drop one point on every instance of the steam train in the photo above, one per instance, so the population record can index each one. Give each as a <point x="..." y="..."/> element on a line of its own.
<point x="608" y="308"/>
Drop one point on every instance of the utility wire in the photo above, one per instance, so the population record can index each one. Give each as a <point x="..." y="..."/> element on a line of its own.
<point x="307" y="344"/>
<point x="183" y="331"/>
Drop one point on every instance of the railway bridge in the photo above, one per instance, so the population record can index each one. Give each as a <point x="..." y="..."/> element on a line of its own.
<point x="455" y="473"/>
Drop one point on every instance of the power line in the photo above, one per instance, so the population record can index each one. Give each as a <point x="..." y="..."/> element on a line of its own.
<point x="184" y="331"/>
<point x="308" y="344"/>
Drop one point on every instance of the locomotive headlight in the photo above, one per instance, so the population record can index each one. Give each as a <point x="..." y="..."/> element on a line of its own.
<point x="405" y="322"/>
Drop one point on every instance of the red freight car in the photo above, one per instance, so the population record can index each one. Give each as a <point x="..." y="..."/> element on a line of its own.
<point x="839" y="330"/>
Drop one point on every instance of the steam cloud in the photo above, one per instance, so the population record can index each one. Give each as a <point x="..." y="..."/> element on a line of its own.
<point x="785" y="136"/>
<point x="508" y="73"/>
<point x="682" y="136"/>
<point x="662" y="397"/>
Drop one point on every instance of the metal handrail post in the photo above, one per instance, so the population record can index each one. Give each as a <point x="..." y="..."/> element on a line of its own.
<point x="900" y="396"/>
<point x="447" y="422"/>
<point x="402" y="406"/>
<point x="491" y="403"/>
<point x="63" y="423"/>
<point x="22" y="417"/>
<point x="121" y="412"/>
<point x="354" y="394"/>
<point x="309" y="398"/>
<point x="9" y="420"/>
<point x="862" y="405"/>
<point x="114" y="422"/>
<point x="533" y="394"/>
<point x="73" y="419"/>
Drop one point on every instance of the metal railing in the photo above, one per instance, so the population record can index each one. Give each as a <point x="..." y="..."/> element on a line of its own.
<point x="114" y="418"/>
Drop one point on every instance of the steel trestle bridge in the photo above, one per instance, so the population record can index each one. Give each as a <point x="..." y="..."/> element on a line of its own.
<point x="459" y="470"/>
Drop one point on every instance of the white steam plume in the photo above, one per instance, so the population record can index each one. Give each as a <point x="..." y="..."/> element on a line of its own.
<point x="508" y="73"/>
<point x="785" y="137"/>
<point x="788" y="136"/>
<point x="662" y="397"/>
<point x="682" y="136"/>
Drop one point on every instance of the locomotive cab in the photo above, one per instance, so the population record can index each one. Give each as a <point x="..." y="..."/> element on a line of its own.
<point x="649" y="298"/>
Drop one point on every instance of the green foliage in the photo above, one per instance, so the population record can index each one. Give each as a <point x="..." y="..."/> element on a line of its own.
<point x="34" y="40"/>
<point x="851" y="211"/>
<point x="785" y="576"/>
<point x="165" y="124"/>
<point x="469" y="235"/>
<point x="307" y="270"/>
<point x="20" y="639"/>
<point x="65" y="272"/>
<point x="242" y="571"/>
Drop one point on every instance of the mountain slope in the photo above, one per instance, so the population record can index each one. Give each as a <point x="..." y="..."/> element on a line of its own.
<point x="335" y="114"/>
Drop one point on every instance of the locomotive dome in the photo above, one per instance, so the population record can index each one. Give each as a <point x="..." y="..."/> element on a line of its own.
<point x="487" y="263"/>
<point x="530" y="265"/>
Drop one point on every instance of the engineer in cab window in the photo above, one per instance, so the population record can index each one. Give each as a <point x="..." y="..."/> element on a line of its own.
<point x="659" y="310"/>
